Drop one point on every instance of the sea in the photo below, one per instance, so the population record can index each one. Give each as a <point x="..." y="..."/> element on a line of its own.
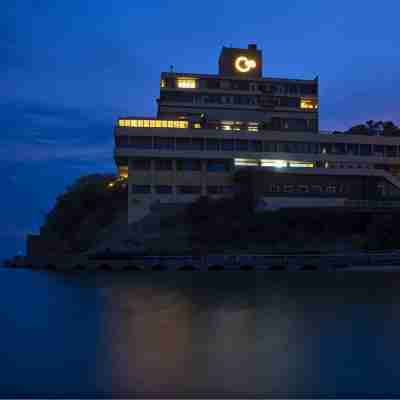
<point x="220" y="334"/>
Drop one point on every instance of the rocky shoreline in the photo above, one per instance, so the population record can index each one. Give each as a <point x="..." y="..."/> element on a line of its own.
<point x="286" y="262"/>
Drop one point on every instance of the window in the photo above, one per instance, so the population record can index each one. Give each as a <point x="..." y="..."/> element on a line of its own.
<point x="213" y="189"/>
<point x="391" y="151"/>
<point x="228" y="145"/>
<point x="331" y="189"/>
<point x="352" y="148"/>
<point x="141" y="189"/>
<point x="303" y="189"/>
<point x="186" y="83"/>
<point x="313" y="148"/>
<point x="292" y="102"/>
<point x="365" y="149"/>
<point x="162" y="83"/>
<point x="227" y="189"/>
<point x="219" y="189"/>
<point x="245" y="162"/>
<point x="308" y="104"/>
<point x="163" y="165"/>
<point x="141" y="142"/>
<point x="121" y="141"/>
<point x="270" y="147"/>
<point x="188" y="165"/>
<point x="288" y="188"/>
<point x="242" y="145"/>
<point x="308" y="89"/>
<point x="141" y="164"/>
<point x="212" y="144"/>
<point x="301" y="164"/>
<point x="164" y="143"/>
<point x="378" y="150"/>
<point x="225" y="84"/>
<point x="316" y="188"/>
<point x="183" y="144"/>
<point x="189" y="189"/>
<point x="197" y="144"/>
<point x="163" y="189"/>
<point x="212" y="83"/>
<point x="339" y="148"/>
<point x="218" y="165"/>
<point x="255" y="146"/>
<point x="275" y="188"/>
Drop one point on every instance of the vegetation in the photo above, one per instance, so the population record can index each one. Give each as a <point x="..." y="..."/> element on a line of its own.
<point x="86" y="207"/>
<point x="230" y="224"/>
<point x="384" y="128"/>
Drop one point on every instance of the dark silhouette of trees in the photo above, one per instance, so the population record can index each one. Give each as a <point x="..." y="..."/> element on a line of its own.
<point x="373" y="128"/>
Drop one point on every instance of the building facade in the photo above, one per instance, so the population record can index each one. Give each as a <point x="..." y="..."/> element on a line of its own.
<point x="209" y="128"/>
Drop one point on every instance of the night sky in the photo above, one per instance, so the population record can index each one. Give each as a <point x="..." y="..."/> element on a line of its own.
<point x="70" y="68"/>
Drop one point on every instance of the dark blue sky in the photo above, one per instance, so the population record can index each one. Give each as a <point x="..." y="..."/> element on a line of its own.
<point x="69" y="68"/>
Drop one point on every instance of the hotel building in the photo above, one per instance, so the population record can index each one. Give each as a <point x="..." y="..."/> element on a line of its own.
<point x="212" y="132"/>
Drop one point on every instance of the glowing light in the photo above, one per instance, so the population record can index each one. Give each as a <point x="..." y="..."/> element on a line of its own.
<point x="299" y="164"/>
<point x="308" y="104"/>
<point x="186" y="83"/>
<point x="243" y="64"/>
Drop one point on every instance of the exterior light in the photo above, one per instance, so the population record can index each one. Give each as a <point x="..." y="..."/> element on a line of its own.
<point x="243" y="64"/>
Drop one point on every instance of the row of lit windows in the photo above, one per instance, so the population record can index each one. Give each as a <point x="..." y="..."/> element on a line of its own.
<point x="180" y="189"/>
<point x="246" y="162"/>
<point x="152" y="123"/>
<point x="211" y="144"/>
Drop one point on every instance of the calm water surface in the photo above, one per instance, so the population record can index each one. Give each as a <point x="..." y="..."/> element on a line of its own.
<point x="201" y="334"/>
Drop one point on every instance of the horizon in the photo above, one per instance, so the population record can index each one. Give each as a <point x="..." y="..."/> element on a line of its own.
<point x="72" y="69"/>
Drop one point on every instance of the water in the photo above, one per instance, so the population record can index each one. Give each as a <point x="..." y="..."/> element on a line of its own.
<point x="198" y="334"/>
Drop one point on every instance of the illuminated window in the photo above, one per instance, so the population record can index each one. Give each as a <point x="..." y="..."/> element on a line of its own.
<point x="186" y="83"/>
<point x="299" y="164"/>
<point x="197" y="125"/>
<point x="246" y="162"/>
<point x="308" y="104"/>
<point x="162" y="83"/>
<point x="274" y="163"/>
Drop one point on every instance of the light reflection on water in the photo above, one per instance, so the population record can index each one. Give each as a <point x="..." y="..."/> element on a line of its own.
<point x="204" y="334"/>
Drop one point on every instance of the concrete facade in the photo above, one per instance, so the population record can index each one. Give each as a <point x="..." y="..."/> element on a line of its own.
<point x="210" y="126"/>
